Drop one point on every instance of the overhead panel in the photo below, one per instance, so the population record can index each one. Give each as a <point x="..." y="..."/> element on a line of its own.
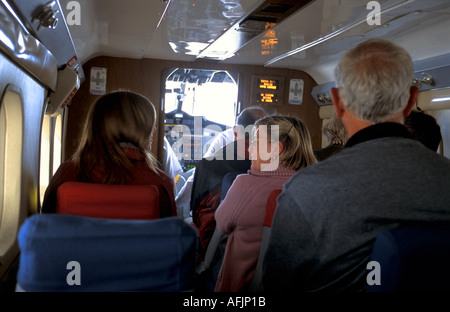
<point x="44" y="20"/>
<point x="259" y="20"/>
<point x="400" y="21"/>
<point x="315" y="37"/>
<point x="193" y="25"/>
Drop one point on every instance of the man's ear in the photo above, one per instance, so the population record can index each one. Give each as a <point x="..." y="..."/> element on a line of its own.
<point x="337" y="102"/>
<point x="413" y="96"/>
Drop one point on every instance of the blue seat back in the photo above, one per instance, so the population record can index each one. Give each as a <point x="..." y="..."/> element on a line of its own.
<point x="111" y="254"/>
<point x="413" y="259"/>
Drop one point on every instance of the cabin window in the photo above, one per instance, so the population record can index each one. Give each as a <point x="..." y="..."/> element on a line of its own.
<point x="51" y="149"/>
<point x="11" y="143"/>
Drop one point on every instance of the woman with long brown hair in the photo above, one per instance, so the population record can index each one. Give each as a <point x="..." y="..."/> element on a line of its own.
<point x="115" y="149"/>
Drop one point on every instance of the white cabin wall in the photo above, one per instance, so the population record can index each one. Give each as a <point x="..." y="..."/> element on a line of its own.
<point x="443" y="119"/>
<point x="22" y="99"/>
<point x="437" y="104"/>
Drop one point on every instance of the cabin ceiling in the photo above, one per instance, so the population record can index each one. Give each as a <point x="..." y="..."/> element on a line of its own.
<point x="304" y="35"/>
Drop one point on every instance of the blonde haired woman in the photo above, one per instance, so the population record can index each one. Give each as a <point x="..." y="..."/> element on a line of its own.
<point x="281" y="146"/>
<point x="115" y="149"/>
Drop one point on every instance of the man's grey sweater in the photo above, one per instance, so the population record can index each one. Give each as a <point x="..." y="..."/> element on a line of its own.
<point x="329" y="214"/>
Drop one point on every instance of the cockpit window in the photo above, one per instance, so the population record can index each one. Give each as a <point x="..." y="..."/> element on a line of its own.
<point x="212" y="94"/>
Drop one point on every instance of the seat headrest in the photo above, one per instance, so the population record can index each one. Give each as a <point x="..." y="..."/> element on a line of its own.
<point x="271" y="206"/>
<point x="108" y="200"/>
<point x="413" y="258"/>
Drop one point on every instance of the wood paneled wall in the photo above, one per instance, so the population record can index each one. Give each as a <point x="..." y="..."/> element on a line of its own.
<point x="145" y="77"/>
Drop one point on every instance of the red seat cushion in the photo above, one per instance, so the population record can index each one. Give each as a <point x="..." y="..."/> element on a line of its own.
<point x="108" y="200"/>
<point x="271" y="206"/>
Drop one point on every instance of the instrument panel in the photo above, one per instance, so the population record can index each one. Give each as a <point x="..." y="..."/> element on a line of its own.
<point x="190" y="136"/>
